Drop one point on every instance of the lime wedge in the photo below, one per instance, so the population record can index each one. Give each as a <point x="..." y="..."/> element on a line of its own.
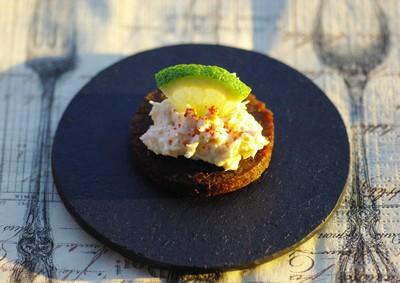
<point x="201" y="87"/>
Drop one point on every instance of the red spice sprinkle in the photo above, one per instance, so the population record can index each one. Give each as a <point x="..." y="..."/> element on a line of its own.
<point x="212" y="110"/>
<point x="170" y="141"/>
<point x="190" y="112"/>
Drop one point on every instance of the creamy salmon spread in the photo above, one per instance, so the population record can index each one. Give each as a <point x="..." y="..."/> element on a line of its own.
<point x="222" y="140"/>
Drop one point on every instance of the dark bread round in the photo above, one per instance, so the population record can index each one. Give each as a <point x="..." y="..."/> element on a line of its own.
<point x="196" y="177"/>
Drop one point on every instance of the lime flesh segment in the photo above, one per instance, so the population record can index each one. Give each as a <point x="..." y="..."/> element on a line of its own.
<point x="200" y="94"/>
<point x="201" y="87"/>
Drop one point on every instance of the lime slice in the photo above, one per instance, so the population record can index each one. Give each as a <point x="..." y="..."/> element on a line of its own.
<point x="201" y="87"/>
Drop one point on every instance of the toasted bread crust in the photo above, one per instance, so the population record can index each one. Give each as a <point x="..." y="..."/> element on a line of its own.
<point x="195" y="177"/>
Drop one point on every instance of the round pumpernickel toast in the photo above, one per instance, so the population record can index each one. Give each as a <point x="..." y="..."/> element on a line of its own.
<point x="196" y="177"/>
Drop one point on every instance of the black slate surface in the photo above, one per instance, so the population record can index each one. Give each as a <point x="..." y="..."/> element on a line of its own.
<point x="95" y="175"/>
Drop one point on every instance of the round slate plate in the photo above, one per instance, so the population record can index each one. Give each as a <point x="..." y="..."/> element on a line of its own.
<point x="96" y="177"/>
